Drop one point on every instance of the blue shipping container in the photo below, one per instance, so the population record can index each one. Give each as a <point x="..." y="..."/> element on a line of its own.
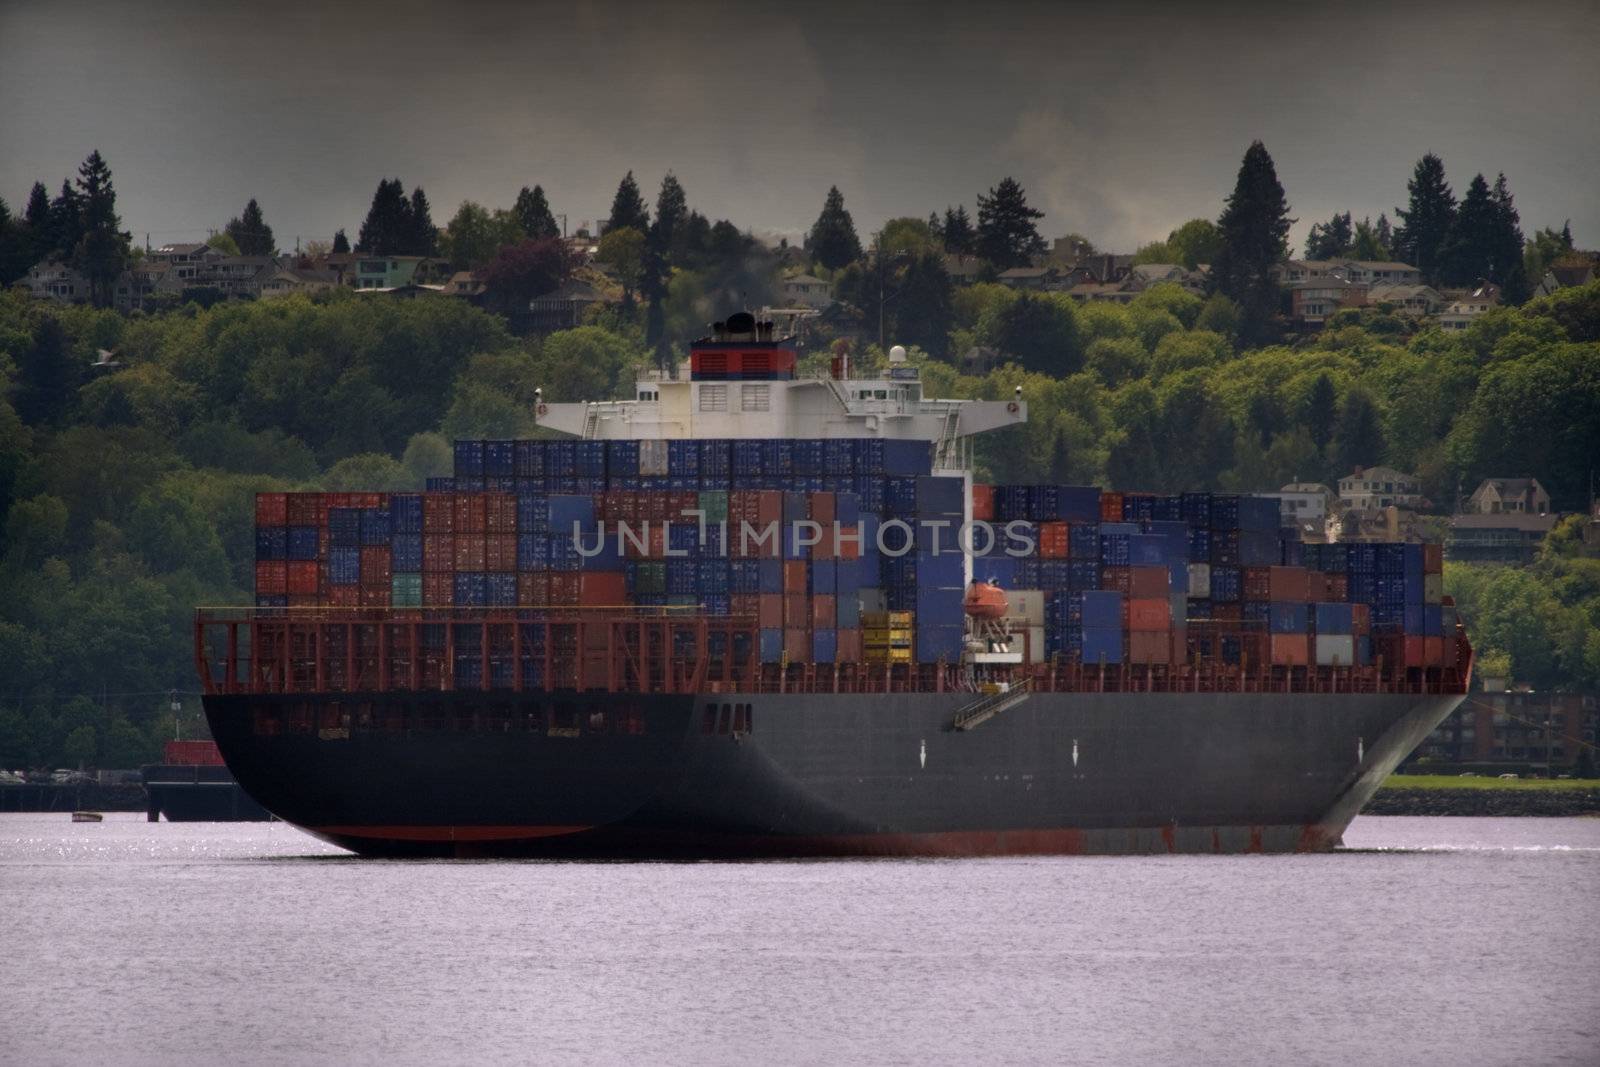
<point x="303" y="542"/>
<point x="272" y="543"/>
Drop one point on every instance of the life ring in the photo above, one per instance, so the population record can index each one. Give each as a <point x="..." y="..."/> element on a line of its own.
<point x="542" y="409"/>
<point x="1012" y="407"/>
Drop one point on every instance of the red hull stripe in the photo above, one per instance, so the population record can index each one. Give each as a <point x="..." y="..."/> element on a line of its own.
<point x="448" y="833"/>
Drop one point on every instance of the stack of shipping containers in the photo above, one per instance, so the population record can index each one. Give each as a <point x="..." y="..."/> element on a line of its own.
<point x="1098" y="577"/>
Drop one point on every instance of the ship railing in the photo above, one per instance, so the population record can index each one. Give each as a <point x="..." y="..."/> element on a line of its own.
<point x="627" y="649"/>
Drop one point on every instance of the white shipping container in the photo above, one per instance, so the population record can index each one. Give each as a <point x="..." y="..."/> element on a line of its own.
<point x="1335" y="650"/>
<point x="872" y="601"/>
<point x="1432" y="588"/>
<point x="1200" y="581"/>
<point x="652" y="459"/>
<point x="1025" y="604"/>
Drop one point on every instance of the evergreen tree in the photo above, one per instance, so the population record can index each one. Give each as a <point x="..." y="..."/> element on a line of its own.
<point x="1385" y="234"/>
<point x="1331" y="239"/>
<point x="672" y="212"/>
<point x="47" y="377"/>
<point x="957" y="231"/>
<point x="251" y="232"/>
<point x="1425" y="224"/>
<point x="1007" y="236"/>
<point x="533" y="214"/>
<point x="627" y="207"/>
<point x="1358" y="433"/>
<point x="1320" y="411"/>
<point x="387" y="229"/>
<point x="13" y="247"/>
<point x="1255" y="229"/>
<point x="341" y="243"/>
<point x="66" y="221"/>
<point x="102" y="251"/>
<point x="922" y="306"/>
<point x="935" y="228"/>
<point x="424" y="237"/>
<point x="1367" y="245"/>
<point x="1266" y="417"/>
<point x="1506" y="263"/>
<point x="832" y="241"/>
<point x="1468" y="255"/>
<point x="36" y="218"/>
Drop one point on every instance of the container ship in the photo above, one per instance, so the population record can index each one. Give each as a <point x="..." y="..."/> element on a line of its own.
<point x="192" y="784"/>
<point x="749" y="612"/>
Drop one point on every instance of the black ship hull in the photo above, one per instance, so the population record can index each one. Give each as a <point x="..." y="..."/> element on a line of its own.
<point x="185" y="793"/>
<point x="640" y="775"/>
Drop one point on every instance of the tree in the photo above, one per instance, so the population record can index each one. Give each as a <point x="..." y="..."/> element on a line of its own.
<point x="627" y="207"/>
<point x="14" y="247"/>
<point x="1007" y="236"/>
<point x="1506" y="265"/>
<point x="1544" y="248"/>
<point x="47" y="376"/>
<point x="623" y="251"/>
<point x="959" y="238"/>
<point x="533" y="214"/>
<point x="1039" y="329"/>
<point x="250" y="232"/>
<point x="66" y="222"/>
<point x="1330" y="240"/>
<point x="1255" y="228"/>
<point x="341" y="243"/>
<point x="1195" y="242"/>
<point x="387" y="229"/>
<point x="922" y="312"/>
<point x="1368" y="244"/>
<point x="223" y="242"/>
<point x="1468" y="255"/>
<point x="1425" y="224"/>
<point x="832" y="241"/>
<point x="906" y="235"/>
<point x="474" y="236"/>
<point x="1358" y="434"/>
<point x="1385" y="234"/>
<point x="521" y="271"/>
<point x="672" y="213"/>
<point x="1321" y="408"/>
<point x="423" y="239"/>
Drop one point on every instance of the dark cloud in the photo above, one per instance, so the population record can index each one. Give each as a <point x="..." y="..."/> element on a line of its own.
<point x="1121" y="120"/>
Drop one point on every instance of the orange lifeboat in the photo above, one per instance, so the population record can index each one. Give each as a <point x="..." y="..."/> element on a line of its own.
<point x="985" y="601"/>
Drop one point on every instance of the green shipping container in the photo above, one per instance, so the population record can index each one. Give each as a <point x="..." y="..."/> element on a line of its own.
<point x="405" y="591"/>
<point x="651" y="577"/>
<point x="715" y="505"/>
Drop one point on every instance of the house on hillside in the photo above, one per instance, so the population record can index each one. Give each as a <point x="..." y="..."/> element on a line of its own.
<point x="196" y="254"/>
<point x="563" y="308"/>
<point x="1307" y="505"/>
<point x="1413" y="300"/>
<point x="1579" y="269"/>
<point x="1311" y="303"/>
<point x="1033" y="279"/>
<point x="53" y="279"/>
<point x="1300" y="271"/>
<point x="385" y="272"/>
<point x="290" y="280"/>
<point x="1469" y="307"/>
<point x="1497" y="496"/>
<point x="1102" y="268"/>
<point x="142" y="280"/>
<point x="964" y="270"/>
<point x="1370" y="488"/>
<point x="1377" y="272"/>
<point x="805" y="291"/>
<point x="1508" y="537"/>
<point x="465" y="284"/>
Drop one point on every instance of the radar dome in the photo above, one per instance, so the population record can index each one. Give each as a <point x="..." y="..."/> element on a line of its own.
<point x="897" y="354"/>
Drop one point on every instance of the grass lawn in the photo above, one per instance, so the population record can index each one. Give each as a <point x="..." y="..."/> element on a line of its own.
<point x="1450" y="781"/>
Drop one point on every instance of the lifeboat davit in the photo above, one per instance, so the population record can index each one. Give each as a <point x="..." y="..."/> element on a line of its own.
<point x="985" y="601"/>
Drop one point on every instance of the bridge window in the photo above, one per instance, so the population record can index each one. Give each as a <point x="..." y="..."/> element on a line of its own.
<point x="755" y="398"/>
<point x="713" y="398"/>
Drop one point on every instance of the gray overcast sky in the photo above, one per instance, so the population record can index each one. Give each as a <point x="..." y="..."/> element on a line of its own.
<point x="1121" y="120"/>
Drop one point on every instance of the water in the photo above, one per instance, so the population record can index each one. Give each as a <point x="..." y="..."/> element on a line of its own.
<point x="1432" y="941"/>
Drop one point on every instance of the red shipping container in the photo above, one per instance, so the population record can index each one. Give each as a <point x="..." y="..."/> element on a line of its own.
<point x="304" y="578"/>
<point x="374" y="598"/>
<point x="1053" y="540"/>
<point x="376" y="569"/>
<point x="821" y="508"/>
<point x="272" y="509"/>
<point x="1233" y="612"/>
<point x="1288" y="585"/>
<point x="826" y="547"/>
<point x="472" y="513"/>
<point x="533" y="590"/>
<point x="500" y="552"/>
<point x="1256" y="583"/>
<point x="1148" y="614"/>
<point x="346" y="596"/>
<point x="564" y="588"/>
<point x="438" y="513"/>
<point x="797" y="645"/>
<point x="824" y="612"/>
<point x="1338" y="588"/>
<point x="1360" y="619"/>
<point x="469" y="553"/>
<point x="340" y="500"/>
<point x="849" y="647"/>
<point x="272" y="578"/>
<point x="769" y="610"/>
<point x="438" y="552"/>
<point x="1150" y="646"/>
<point x="796" y="610"/>
<point x="1291" y="650"/>
<point x="1149" y="581"/>
<point x="1432" y="559"/>
<point x="368" y="500"/>
<point x="1116" y="578"/>
<point x="769" y="506"/>
<point x="744" y="606"/>
<point x="1433" y="651"/>
<point x="192" y="753"/>
<point x="849" y="542"/>
<point x="500" y="513"/>
<point x="794" y="576"/>
<point x="305" y="600"/>
<point x="602" y="589"/>
<point x="1110" y="507"/>
<point x="438" y="588"/>
<point x="305" y="509"/>
<point x="982" y="505"/>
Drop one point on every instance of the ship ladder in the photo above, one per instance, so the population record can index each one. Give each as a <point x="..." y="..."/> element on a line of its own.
<point x="989" y="705"/>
